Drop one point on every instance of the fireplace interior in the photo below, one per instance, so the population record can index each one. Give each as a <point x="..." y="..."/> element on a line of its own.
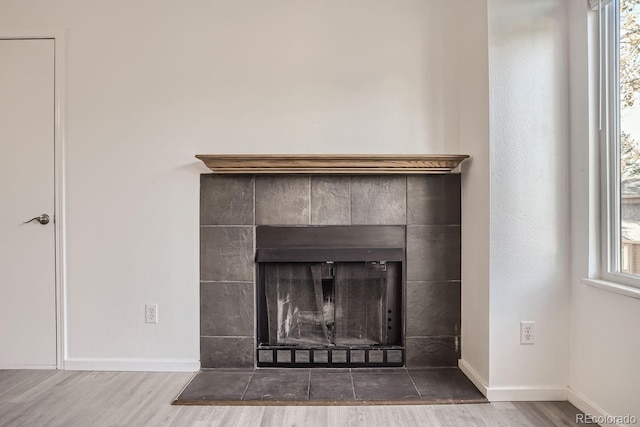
<point x="330" y="296"/>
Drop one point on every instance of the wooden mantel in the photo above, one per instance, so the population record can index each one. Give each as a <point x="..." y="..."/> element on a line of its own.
<point x="331" y="164"/>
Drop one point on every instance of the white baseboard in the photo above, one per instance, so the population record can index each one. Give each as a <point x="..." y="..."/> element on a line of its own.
<point x="527" y="394"/>
<point x="584" y="404"/>
<point x="473" y="376"/>
<point x="145" y="365"/>
<point x="27" y="367"/>
<point x="590" y="408"/>
<point x="514" y="394"/>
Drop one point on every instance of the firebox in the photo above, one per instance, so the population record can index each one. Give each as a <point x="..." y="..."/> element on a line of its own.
<point x="330" y="296"/>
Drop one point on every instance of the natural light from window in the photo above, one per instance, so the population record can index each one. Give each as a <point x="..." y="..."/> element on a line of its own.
<point x="629" y="72"/>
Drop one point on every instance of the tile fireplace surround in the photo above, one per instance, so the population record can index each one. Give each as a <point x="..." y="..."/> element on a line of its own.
<point x="231" y="206"/>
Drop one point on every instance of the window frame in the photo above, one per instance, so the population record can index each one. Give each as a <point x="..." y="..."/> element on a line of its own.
<point x="611" y="248"/>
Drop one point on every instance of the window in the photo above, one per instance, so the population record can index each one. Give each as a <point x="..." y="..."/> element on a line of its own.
<point x="620" y="134"/>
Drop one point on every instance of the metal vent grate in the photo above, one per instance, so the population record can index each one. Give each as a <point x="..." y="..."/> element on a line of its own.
<point x="337" y="357"/>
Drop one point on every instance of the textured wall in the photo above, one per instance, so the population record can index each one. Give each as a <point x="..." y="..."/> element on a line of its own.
<point x="529" y="196"/>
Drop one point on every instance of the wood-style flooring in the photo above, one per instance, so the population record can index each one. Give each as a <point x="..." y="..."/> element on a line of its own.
<point x="66" y="398"/>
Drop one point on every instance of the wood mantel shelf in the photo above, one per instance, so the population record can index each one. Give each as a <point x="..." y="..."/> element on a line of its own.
<point x="331" y="164"/>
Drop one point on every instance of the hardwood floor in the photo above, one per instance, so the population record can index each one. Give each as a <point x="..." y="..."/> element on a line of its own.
<point x="67" y="398"/>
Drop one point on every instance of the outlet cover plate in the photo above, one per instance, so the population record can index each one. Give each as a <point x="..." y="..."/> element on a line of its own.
<point x="151" y="313"/>
<point x="527" y="332"/>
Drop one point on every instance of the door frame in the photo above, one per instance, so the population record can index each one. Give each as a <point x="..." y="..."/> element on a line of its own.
<point x="58" y="37"/>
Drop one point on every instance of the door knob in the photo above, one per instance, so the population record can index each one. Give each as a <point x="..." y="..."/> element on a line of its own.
<point x="42" y="219"/>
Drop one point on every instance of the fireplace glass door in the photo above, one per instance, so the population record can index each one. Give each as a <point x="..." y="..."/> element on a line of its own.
<point x="332" y="304"/>
<point x="330" y="296"/>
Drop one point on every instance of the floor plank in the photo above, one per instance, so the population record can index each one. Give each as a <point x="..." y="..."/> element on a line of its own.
<point x="67" y="398"/>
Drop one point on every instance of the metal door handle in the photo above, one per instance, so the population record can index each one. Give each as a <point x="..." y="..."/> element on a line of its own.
<point x="42" y="219"/>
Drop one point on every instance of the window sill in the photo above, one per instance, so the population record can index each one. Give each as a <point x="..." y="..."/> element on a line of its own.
<point x="617" y="288"/>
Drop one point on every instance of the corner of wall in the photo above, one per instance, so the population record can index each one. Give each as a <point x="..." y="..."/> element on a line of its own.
<point x="473" y="132"/>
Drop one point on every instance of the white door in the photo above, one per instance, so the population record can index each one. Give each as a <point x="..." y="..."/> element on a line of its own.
<point x="27" y="251"/>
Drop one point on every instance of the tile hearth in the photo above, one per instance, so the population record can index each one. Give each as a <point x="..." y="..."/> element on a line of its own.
<point x="329" y="387"/>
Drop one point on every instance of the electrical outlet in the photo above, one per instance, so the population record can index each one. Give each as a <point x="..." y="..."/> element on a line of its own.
<point x="151" y="313"/>
<point x="527" y="330"/>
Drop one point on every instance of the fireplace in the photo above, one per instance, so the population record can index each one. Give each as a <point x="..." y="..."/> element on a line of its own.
<point x="330" y="296"/>
<point x="395" y="236"/>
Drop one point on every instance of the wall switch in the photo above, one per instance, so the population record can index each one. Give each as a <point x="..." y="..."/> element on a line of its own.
<point x="527" y="330"/>
<point x="151" y="313"/>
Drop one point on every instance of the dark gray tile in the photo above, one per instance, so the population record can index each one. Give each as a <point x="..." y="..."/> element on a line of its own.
<point x="432" y="352"/>
<point x="279" y="384"/>
<point x="378" y="200"/>
<point x="217" y="385"/>
<point x="399" y="371"/>
<point x="383" y="386"/>
<point x="444" y="385"/>
<point x="226" y="200"/>
<point x="330" y="200"/>
<point x="320" y="371"/>
<point x="433" y="252"/>
<point x="226" y="254"/>
<point x="226" y="309"/>
<point x="434" y="369"/>
<point x="433" y="308"/>
<point x="226" y="352"/>
<point x="282" y="200"/>
<point x="330" y="385"/>
<point x="434" y="384"/>
<point x="433" y="199"/>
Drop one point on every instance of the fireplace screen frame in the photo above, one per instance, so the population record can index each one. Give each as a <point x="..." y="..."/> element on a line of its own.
<point x="375" y="245"/>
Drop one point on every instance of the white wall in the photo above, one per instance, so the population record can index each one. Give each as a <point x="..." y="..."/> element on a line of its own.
<point x="528" y="78"/>
<point x="513" y="115"/>
<point x="605" y="346"/>
<point x="473" y="113"/>
<point x="151" y="83"/>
